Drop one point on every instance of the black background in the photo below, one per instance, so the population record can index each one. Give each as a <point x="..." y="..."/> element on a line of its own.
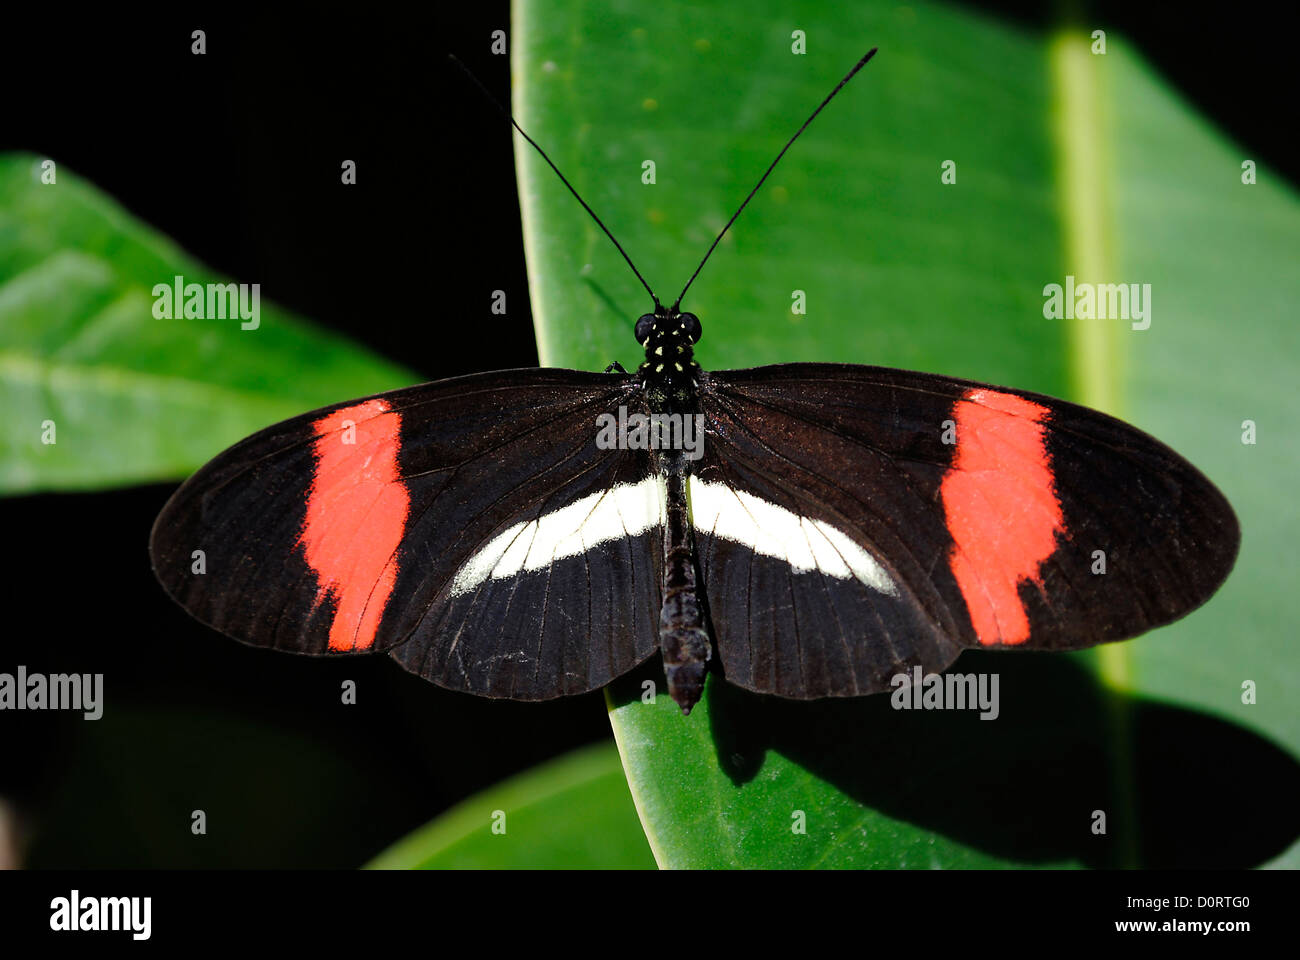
<point x="235" y="155"/>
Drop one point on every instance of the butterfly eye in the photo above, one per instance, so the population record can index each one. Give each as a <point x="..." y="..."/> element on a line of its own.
<point x="645" y="323"/>
<point x="691" y="326"/>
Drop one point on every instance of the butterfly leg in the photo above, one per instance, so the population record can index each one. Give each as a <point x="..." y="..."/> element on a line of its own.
<point x="683" y="639"/>
<point x="615" y="366"/>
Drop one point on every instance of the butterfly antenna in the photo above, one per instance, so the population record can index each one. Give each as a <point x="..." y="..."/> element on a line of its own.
<point x="563" y="179"/>
<point x="829" y="97"/>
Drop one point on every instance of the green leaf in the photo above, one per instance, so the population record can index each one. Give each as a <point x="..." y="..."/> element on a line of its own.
<point x="133" y="398"/>
<point x="1066" y="163"/>
<point x="570" y="813"/>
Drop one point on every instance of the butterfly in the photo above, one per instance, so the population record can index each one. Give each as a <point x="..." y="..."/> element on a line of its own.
<point x="806" y="529"/>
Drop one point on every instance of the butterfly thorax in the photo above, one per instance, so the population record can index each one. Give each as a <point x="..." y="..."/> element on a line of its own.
<point x="669" y="372"/>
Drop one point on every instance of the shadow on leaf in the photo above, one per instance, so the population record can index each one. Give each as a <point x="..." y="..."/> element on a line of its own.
<point x="1025" y="786"/>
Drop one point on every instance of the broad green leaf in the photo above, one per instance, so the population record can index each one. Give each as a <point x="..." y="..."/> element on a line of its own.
<point x="573" y="812"/>
<point x="1067" y="163"/>
<point x="134" y="398"/>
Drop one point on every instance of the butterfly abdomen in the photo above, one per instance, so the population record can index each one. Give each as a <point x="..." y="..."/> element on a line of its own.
<point x="683" y="638"/>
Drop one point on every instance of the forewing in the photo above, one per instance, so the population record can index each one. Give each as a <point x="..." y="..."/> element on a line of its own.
<point x="371" y="525"/>
<point x="993" y="517"/>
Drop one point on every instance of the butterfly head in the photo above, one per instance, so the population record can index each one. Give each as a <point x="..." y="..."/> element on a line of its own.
<point x="667" y="327"/>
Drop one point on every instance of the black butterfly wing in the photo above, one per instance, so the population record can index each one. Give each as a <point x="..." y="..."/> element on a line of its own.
<point x="967" y="516"/>
<point x="409" y="522"/>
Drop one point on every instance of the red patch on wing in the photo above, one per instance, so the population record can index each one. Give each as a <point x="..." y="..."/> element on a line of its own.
<point x="356" y="514"/>
<point x="1001" y="509"/>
